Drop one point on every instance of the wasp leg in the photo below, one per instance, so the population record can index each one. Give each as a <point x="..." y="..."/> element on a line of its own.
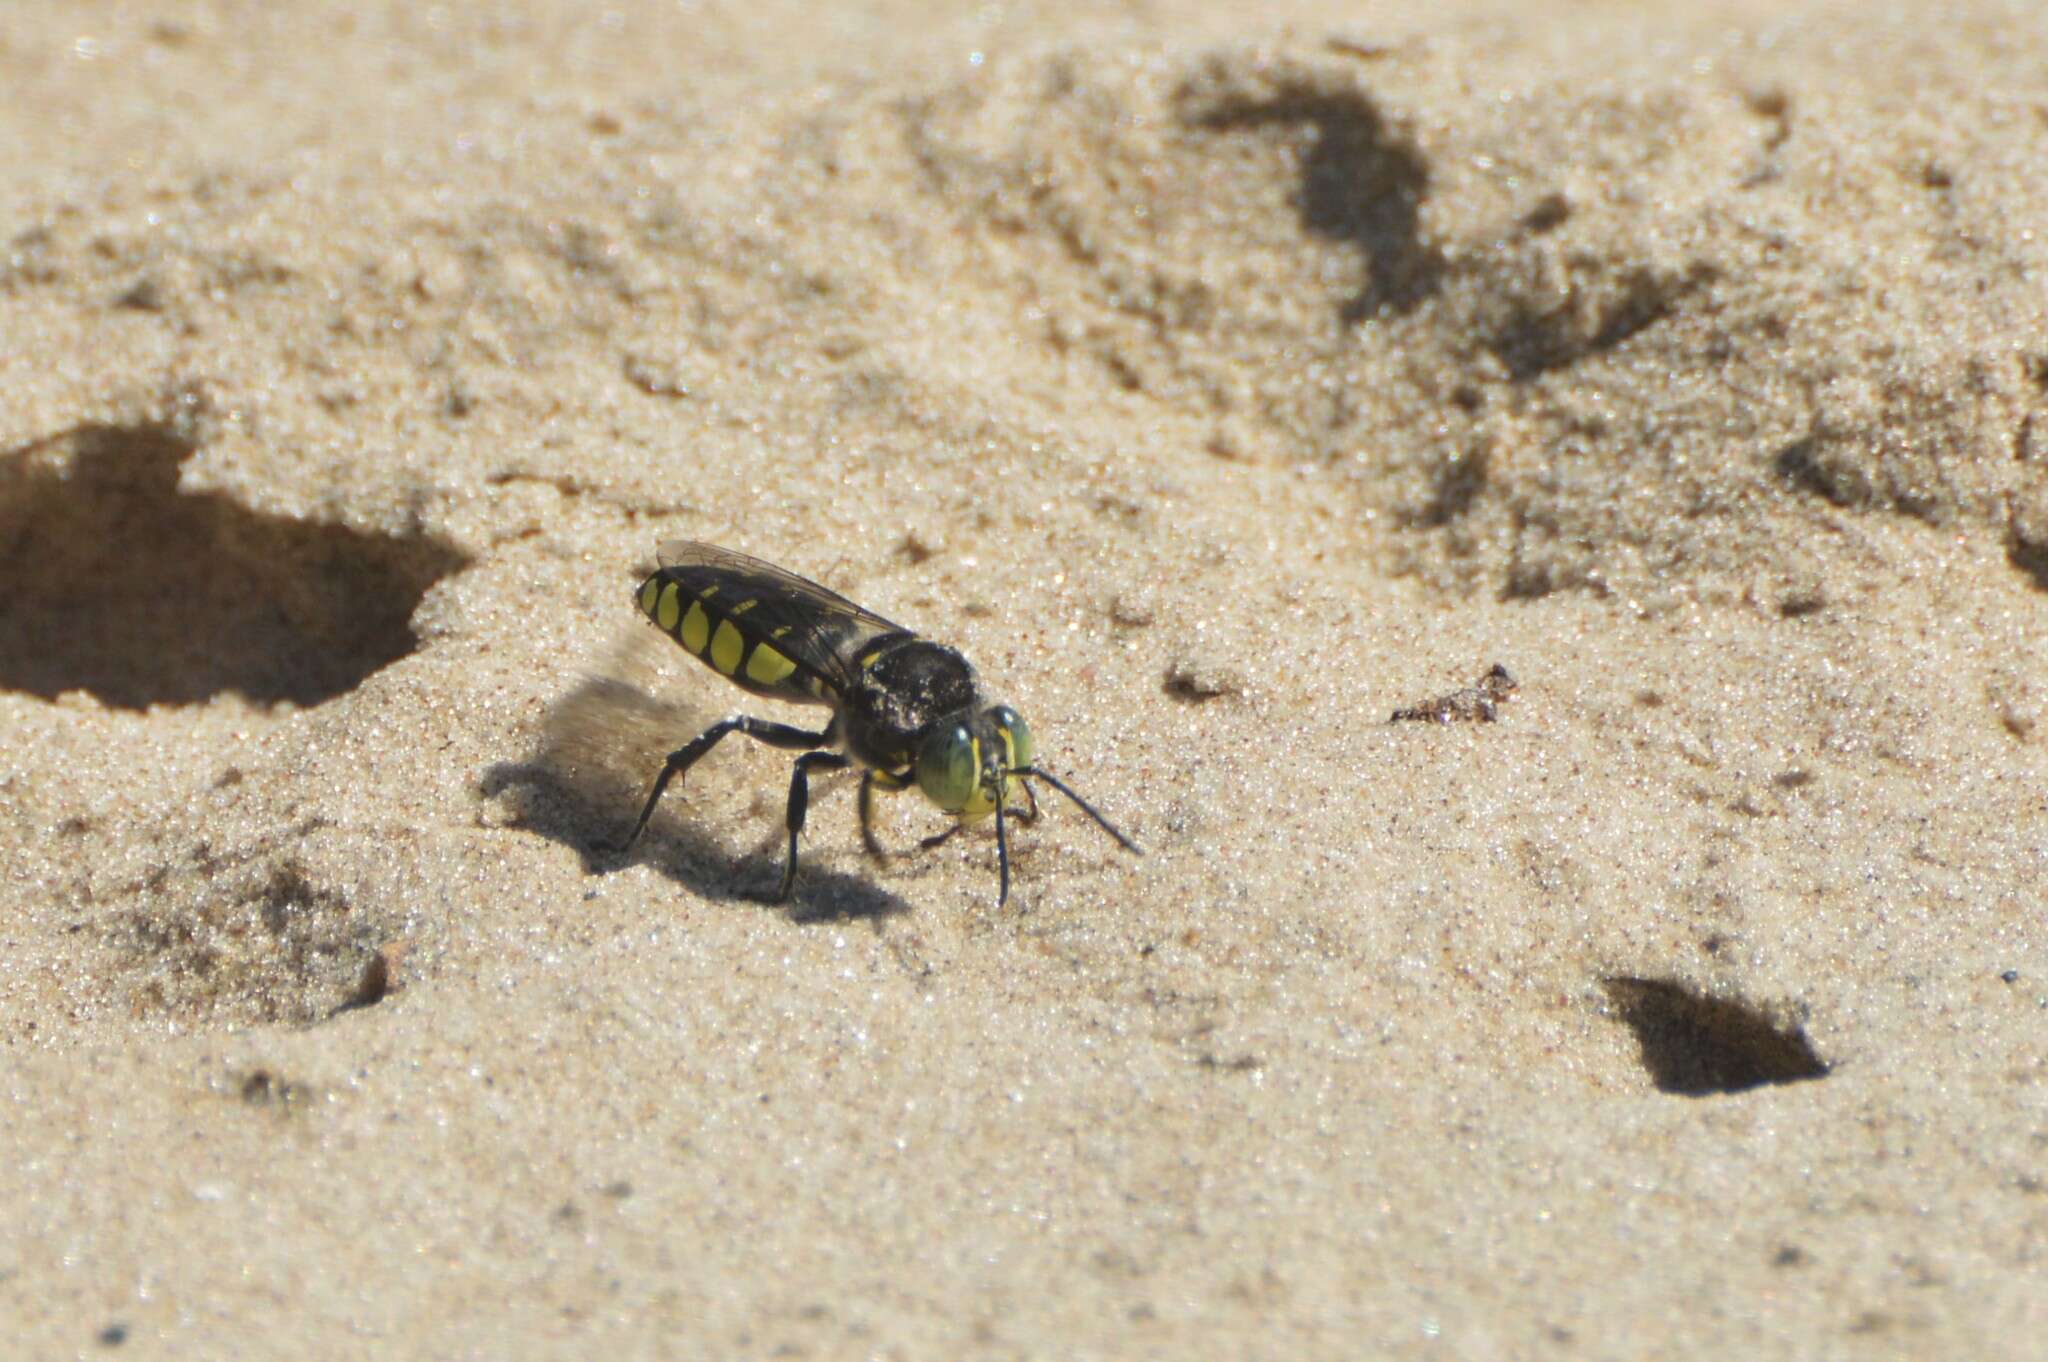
<point x="870" y="781"/>
<point x="800" y="801"/>
<point x="683" y="758"/>
<point x="938" y="839"/>
<point x="1002" y="839"/>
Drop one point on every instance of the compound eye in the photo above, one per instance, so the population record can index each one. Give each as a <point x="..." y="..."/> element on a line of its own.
<point x="949" y="768"/>
<point x="1016" y="735"/>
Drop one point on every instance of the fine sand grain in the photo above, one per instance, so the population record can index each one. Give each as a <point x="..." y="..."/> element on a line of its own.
<point x="1222" y="385"/>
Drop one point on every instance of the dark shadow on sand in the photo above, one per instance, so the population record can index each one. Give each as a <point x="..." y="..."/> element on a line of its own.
<point x="584" y="783"/>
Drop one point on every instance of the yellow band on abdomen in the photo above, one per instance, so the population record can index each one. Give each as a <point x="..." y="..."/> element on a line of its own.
<point x="726" y="648"/>
<point x="696" y="631"/>
<point x="767" y="666"/>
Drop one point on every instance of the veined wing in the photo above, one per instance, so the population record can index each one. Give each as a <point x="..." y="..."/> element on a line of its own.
<point x="819" y="630"/>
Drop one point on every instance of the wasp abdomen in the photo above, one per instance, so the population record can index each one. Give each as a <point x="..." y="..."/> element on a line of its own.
<point x="717" y="631"/>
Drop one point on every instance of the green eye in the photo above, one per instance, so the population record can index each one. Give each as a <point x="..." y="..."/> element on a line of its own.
<point x="949" y="768"/>
<point x="1015" y="732"/>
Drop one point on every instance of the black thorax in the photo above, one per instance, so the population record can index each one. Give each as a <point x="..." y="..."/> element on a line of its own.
<point x="911" y="685"/>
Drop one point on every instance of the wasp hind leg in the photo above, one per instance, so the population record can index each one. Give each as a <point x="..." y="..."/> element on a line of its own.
<point x="784" y="736"/>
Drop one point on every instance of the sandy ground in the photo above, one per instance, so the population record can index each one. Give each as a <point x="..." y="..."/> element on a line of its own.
<point x="1220" y="386"/>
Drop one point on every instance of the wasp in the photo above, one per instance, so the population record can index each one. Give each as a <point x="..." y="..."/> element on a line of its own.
<point x="907" y="711"/>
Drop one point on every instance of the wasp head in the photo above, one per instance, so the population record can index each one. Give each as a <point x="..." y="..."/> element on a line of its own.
<point x="966" y="759"/>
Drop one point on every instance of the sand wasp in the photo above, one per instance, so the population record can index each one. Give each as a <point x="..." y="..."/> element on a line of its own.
<point x="906" y="710"/>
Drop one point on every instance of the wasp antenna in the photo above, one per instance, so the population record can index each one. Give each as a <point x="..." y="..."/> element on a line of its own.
<point x="1049" y="778"/>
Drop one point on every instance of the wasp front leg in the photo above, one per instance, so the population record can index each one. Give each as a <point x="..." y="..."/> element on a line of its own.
<point x="871" y="781"/>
